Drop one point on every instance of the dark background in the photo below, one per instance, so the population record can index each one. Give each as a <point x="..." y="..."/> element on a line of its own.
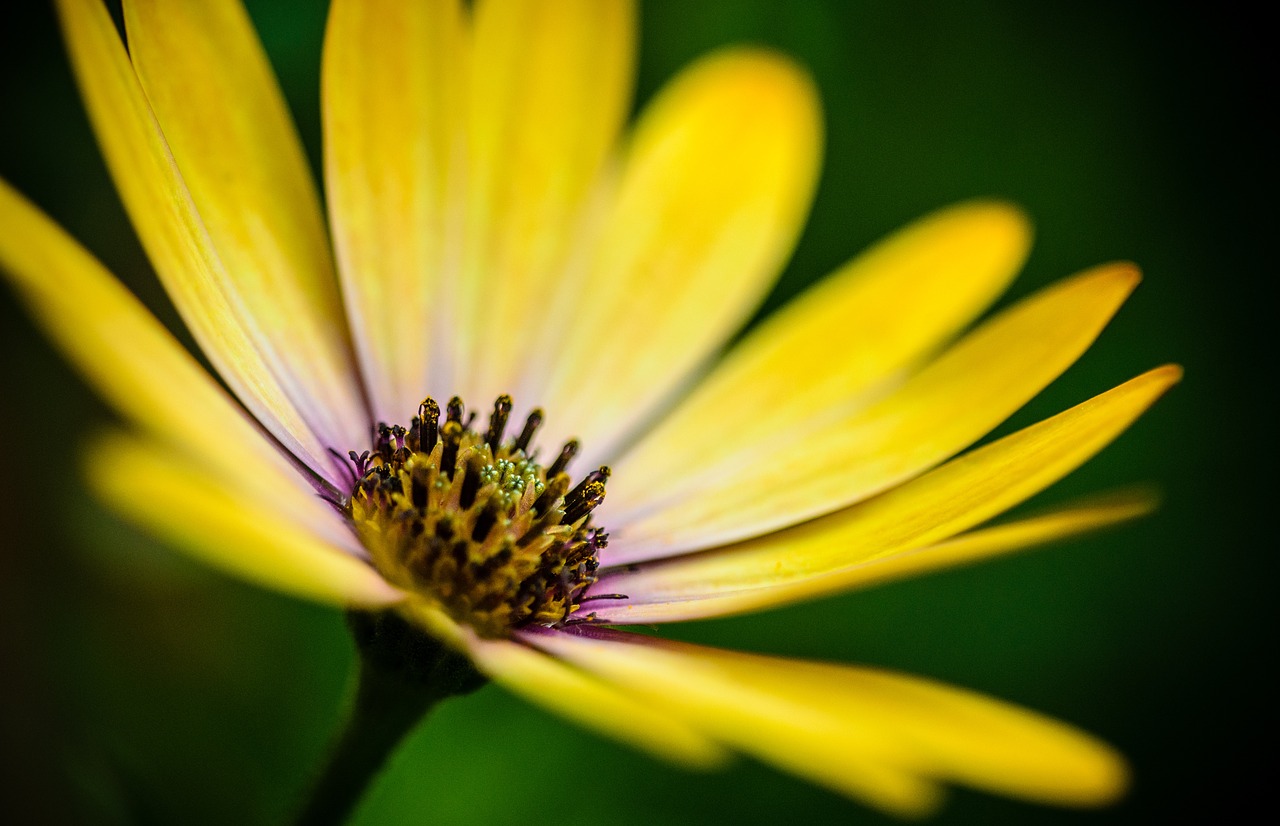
<point x="136" y="686"/>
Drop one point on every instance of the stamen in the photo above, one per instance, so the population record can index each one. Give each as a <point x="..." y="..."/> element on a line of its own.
<point x="451" y="435"/>
<point x="475" y="526"/>
<point x="595" y="597"/>
<point x="418" y="488"/>
<point x="498" y="422"/>
<point x="353" y="475"/>
<point x="555" y="489"/>
<point x="429" y="413"/>
<point x="600" y="474"/>
<point x="531" y="425"/>
<point x="567" y="453"/>
<point x="470" y="481"/>
<point x="382" y="439"/>
<point x="581" y="501"/>
<point x="455" y="410"/>
<point x="484" y="523"/>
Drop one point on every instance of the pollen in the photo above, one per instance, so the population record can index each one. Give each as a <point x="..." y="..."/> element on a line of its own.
<point x="473" y="523"/>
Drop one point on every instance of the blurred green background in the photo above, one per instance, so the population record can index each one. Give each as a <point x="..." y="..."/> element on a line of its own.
<point x="137" y="687"/>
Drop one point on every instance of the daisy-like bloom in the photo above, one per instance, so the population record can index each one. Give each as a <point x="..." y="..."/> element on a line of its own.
<point x="494" y="237"/>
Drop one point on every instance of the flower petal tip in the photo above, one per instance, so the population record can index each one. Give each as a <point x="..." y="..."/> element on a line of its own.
<point x="757" y="67"/>
<point x="997" y="212"/>
<point x="751" y="79"/>
<point x="1167" y="375"/>
<point x="1133" y="502"/>
<point x="999" y="225"/>
<point x="1101" y="781"/>
<point x="1124" y="274"/>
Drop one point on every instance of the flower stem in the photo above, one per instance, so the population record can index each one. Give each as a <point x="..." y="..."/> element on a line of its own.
<point x="401" y="674"/>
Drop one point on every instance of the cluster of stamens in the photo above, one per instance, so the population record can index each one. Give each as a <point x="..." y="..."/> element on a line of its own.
<point x="474" y="523"/>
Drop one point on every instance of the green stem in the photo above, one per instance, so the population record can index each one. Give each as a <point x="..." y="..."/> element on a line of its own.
<point x="402" y="673"/>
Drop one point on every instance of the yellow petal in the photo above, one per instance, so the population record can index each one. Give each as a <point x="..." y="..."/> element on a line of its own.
<point x="750" y="718"/>
<point x="822" y="355"/>
<point x="787" y="476"/>
<point x="956" y="735"/>
<point x="171" y="230"/>
<point x="135" y="364"/>
<point x="227" y="125"/>
<point x="714" y="189"/>
<point x="940" y="504"/>
<point x="822" y="720"/>
<point x="1063" y="523"/>
<point x="242" y="535"/>
<point x="593" y="703"/>
<point x="550" y="89"/>
<point x="392" y="85"/>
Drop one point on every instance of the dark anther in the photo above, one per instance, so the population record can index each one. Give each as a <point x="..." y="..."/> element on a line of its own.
<point x="498" y="422"/>
<point x="511" y="545"/>
<point x="418" y="490"/>
<point x="382" y="443"/>
<point x="534" y="532"/>
<point x="576" y="507"/>
<point x="429" y="415"/>
<point x="531" y="425"/>
<point x="556" y="487"/>
<point x="595" y="597"/>
<point x="450" y="434"/>
<point x="454" y="410"/>
<point x="540" y="526"/>
<point x="493" y="600"/>
<point x="493" y="563"/>
<point x="567" y="453"/>
<point x="470" y="481"/>
<point x="484" y="522"/>
<point x="594" y="477"/>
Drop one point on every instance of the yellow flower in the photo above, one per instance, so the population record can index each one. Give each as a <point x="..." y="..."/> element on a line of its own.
<point x="489" y="232"/>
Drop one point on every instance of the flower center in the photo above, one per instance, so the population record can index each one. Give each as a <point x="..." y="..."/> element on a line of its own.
<point x="474" y="524"/>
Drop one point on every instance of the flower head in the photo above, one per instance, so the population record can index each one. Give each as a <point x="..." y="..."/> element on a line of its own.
<point x="494" y="239"/>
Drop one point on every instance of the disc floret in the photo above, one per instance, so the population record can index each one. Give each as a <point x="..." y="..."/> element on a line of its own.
<point x="473" y="523"/>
